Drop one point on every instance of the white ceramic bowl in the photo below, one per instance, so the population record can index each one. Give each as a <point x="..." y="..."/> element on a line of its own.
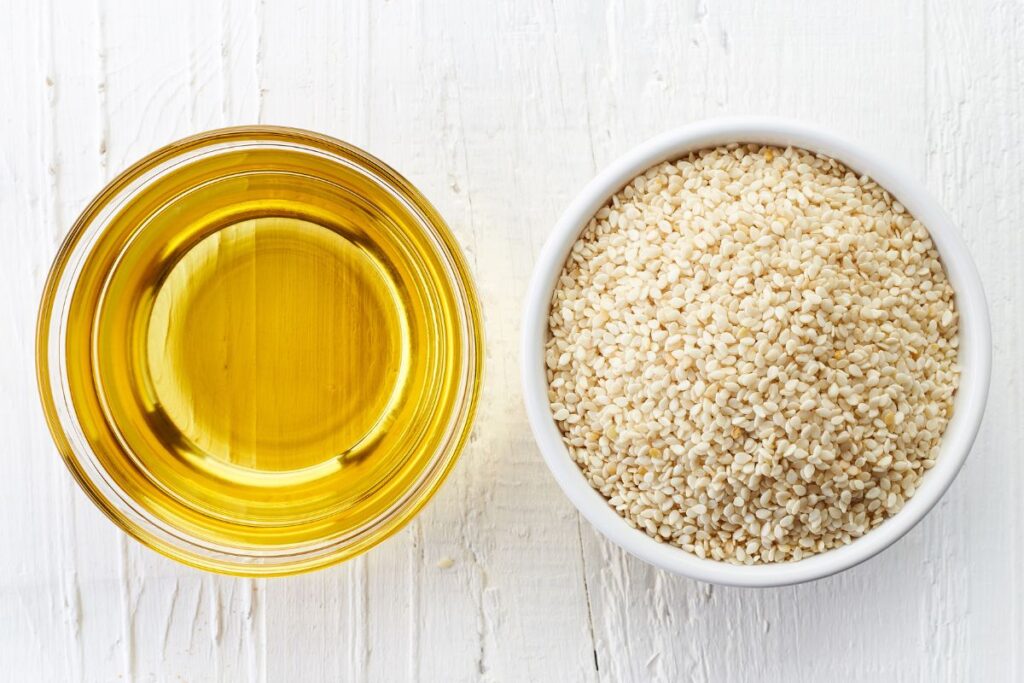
<point x="975" y="348"/>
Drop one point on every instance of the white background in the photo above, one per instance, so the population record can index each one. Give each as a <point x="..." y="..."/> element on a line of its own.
<point x="500" y="112"/>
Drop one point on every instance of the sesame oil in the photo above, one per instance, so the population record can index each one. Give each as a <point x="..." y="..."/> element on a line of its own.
<point x="262" y="349"/>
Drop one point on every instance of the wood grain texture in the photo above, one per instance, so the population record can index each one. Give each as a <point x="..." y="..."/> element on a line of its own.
<point x="500" y="112"/>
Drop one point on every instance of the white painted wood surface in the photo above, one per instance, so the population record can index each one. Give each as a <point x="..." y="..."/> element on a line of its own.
<point x="499" y="112"/>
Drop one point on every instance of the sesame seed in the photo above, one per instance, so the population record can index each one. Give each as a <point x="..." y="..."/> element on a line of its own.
<point x="753" y="353"/>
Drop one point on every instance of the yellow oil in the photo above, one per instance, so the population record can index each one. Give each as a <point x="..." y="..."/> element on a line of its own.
<point x="263" y="349"/>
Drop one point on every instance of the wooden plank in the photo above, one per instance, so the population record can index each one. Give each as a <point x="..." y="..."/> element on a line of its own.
<point x="975" y="70"/>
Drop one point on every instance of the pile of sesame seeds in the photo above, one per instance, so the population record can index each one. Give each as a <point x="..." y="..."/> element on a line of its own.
<point x="753" y="353"/>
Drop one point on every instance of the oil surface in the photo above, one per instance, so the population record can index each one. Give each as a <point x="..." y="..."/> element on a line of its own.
<point x="243" y="347"/>
<point x="263" y="349"/>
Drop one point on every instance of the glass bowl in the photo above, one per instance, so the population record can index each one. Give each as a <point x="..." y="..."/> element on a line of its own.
<point x="259" y="351"/>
